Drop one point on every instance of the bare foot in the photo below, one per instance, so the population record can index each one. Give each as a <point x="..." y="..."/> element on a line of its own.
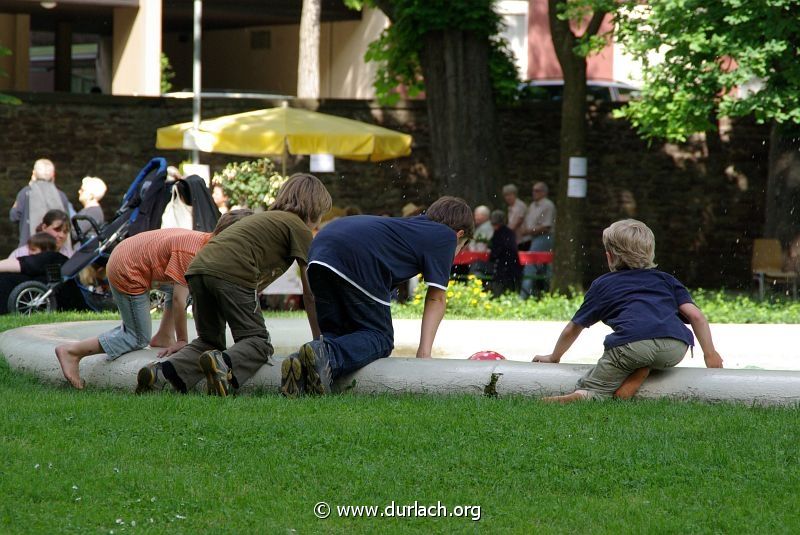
<point x="69" y="366"/>
<point x="578" y="395"/>
<point x="632" y="384"/>
<point x="162" y="341"/>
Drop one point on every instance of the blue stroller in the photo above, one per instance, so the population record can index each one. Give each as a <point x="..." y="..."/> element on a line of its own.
<point x="65" y="287"/>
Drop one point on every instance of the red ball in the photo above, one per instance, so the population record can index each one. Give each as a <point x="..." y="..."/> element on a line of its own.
<point x="487" y="355"/>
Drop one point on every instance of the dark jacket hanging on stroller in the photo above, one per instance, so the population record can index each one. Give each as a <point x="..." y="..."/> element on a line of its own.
<point x="194" y="191"/>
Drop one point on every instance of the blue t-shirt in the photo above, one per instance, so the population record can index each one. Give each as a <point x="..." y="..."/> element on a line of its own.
<point x="375" y="253"/>
<point x="639" y="304"/>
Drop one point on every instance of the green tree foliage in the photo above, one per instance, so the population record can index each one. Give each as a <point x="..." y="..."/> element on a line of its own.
<point x="6" y="99"/>
<point x="397" y="51"/>
<point x="710" y="51"/>
<point x="251" y="184"/>
<point x="167" y="74"/>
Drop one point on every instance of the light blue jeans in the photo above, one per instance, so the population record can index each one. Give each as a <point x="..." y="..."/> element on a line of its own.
<point x="537" y="272"/>
<point x="136" y="329"/>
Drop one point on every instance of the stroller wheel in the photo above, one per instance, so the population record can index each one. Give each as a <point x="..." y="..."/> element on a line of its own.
<point x="158" y="301"/>
<point x="31" y="296"/>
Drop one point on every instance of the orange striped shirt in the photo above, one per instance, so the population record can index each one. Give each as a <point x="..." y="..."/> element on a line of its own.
<point x="157" y="256"/>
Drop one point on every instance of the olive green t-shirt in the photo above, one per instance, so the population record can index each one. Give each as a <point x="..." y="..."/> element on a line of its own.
<point x="254" y="251"/>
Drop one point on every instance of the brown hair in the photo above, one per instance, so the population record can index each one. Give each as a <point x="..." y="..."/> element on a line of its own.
<point x="631" y="243"/>
<point x="42" y="241"/>
<point x="305" y="196"/>
<point x="51" y="216"/>
<point x="229" y="218"/>
<point x="453" y="212"/>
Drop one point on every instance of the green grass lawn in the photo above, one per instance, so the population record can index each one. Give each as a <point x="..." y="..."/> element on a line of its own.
<point x="99" y="462"/>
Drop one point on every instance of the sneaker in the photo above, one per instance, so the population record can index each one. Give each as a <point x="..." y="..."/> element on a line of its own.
<point x="218" y="375"/>
<point x="316" y="367"/>
<point x="292" y="381"/>
<point x="150" y="378"/>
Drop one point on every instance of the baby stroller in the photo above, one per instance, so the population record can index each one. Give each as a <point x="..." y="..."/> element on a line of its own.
<point x="64" y="284"/>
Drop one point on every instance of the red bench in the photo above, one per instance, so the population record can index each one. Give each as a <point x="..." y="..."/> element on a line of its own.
<point x="525" y="257"/>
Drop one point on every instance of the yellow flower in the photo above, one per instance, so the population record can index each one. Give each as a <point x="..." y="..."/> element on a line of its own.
<point x="476" y="291"/>
<point x="473" y="302"/>
<point x="450" y="294"/>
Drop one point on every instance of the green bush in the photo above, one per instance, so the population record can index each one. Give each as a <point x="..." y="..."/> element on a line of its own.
<point x="251" y="184"/>
<point x="468" y="300"/>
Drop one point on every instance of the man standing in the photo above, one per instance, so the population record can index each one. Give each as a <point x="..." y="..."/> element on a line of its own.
<point x="35" y="199"/>
<point x="516" y="216"/>
<point x="538" y="227"/>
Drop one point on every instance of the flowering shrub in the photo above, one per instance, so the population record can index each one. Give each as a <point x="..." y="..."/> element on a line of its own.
<point x="468" y="300"/>
<point x="252" y="184"/>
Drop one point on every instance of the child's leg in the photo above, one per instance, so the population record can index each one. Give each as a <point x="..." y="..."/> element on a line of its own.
<point x="165" y="335"/>
<point x="615" y="368"/>
<point x="133" y="334"/>
<point x="240" y="308"/>
<point x="357" y="329"/>
<point x="659" y="353"/>
<point x="182" y="368"/>
<point x="578" y="395"/>
<point x="69" y="356"/>
<point x="631" y="385"/>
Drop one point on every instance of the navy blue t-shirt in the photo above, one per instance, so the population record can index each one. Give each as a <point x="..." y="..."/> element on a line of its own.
<point x="639" y="304"/>
<point x="375" y="253"/>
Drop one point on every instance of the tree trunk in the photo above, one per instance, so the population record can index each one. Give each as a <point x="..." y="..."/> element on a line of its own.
<point x="570" y="246"/>
<point x="783" y="184"/>
<point x="308" y="61"/>
<point x="461" y="114"/>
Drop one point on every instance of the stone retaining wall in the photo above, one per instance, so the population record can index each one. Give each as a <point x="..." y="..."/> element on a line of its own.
<point x="704" y="208"/>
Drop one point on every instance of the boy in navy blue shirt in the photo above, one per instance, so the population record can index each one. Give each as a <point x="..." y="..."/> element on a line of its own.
<point x="353" y="265"/>
<point x="644" y="307"/>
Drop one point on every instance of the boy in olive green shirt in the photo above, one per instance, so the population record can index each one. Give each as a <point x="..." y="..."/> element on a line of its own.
<point x="225" y="280"/>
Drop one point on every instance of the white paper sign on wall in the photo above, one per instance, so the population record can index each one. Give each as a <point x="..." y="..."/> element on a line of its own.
<point x="577" y="167"/>
<point x="576" y="187"/>
<point x="322" y="163"/>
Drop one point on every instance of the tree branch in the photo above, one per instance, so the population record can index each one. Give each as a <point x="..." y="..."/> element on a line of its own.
<point x="595" y="23"/>
<point x="387" y="6"/>
<point x="563" y="38"/>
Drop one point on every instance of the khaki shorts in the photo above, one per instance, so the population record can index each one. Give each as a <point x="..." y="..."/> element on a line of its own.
<point x="619" y="362"/>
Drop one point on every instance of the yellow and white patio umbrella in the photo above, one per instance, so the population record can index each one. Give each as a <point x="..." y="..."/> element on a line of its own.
<point x="282" y="130"/>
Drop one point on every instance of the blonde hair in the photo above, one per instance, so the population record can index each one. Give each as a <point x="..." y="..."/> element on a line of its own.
<point x="631" y="244"/>
<point x="95" y="186"/>
<point x="305" y="196"/>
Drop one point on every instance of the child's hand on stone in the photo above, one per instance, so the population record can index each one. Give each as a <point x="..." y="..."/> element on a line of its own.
<point x="173" y="348"/>
<point x="713" y="360"/>
<point x="545" y="358"/>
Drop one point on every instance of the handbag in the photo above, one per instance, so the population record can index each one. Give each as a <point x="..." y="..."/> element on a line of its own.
<point x="177" y="214"/>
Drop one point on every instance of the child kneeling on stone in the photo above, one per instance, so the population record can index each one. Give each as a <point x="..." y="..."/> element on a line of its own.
<point x="157" y="258"/>
<point x="644" y="307"/>
<point x="226" y="279"/>
<point x="354" y="264"/>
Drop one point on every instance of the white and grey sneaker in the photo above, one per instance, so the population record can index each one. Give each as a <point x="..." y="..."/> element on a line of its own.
<point x="218" y="375"/>
<point x="150" y="378"/>
<point x="316" y="367"/>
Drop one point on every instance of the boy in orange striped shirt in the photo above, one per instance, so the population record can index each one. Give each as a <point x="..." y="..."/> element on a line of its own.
<point x="139" y="263"/>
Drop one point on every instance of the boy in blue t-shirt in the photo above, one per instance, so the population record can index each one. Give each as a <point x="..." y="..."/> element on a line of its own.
<point x="353" y="265"/>
<point x="645" y="308"/>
